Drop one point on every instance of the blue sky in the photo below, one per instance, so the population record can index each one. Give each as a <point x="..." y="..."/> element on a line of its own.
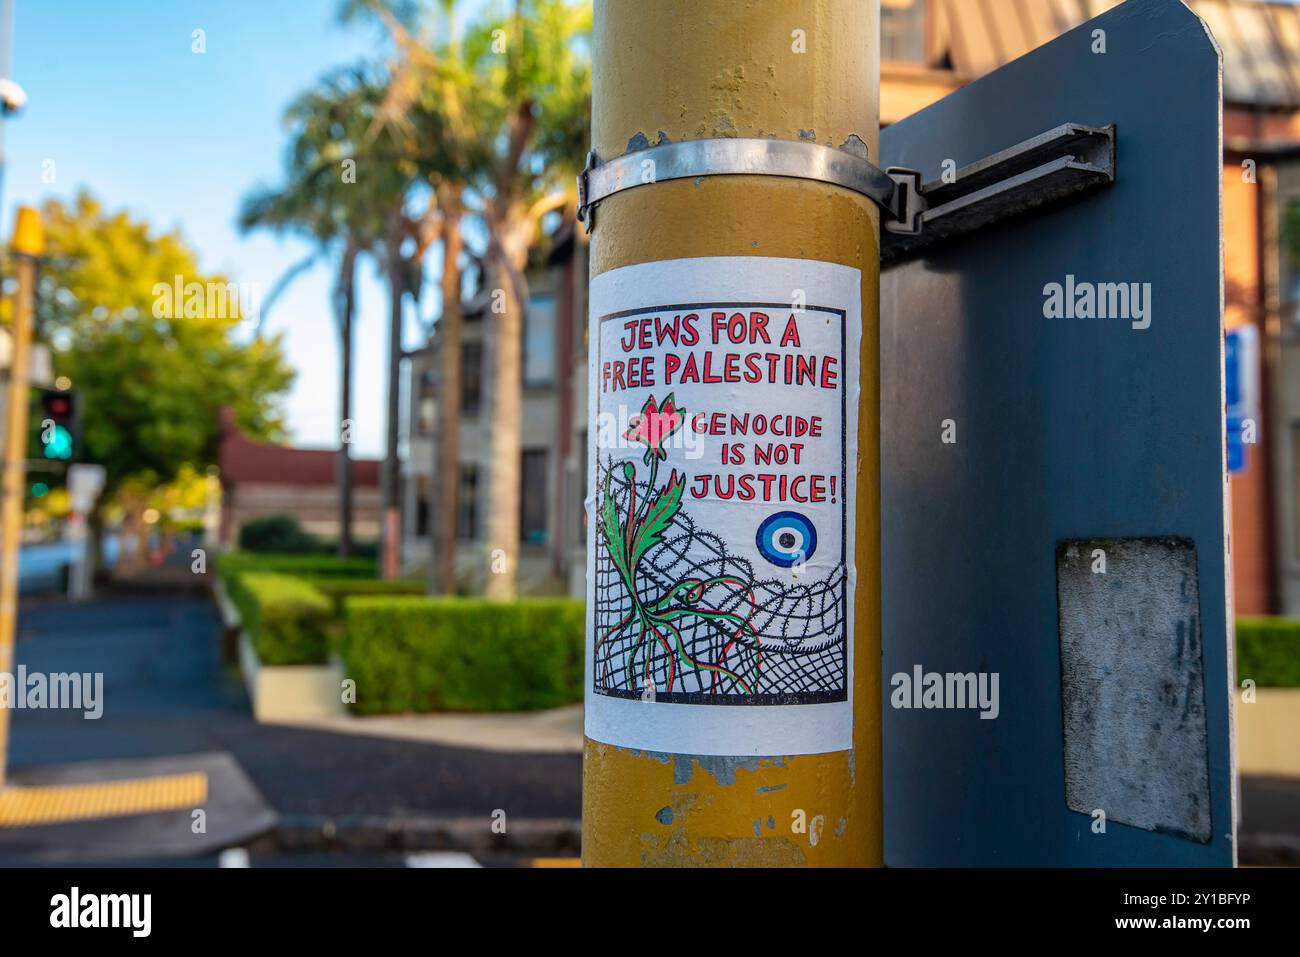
<point x="124" y="108"/>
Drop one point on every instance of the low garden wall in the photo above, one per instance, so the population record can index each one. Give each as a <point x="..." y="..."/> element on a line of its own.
<point x="404" y="652"/>
<point x="1268" y="714"/>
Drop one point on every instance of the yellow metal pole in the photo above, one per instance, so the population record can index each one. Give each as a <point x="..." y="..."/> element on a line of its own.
<point x="26" y="246"/>
<point x="800" y="70"/>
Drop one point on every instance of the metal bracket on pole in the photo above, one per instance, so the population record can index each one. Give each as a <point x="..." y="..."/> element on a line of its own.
<point x="1069" y="159"/>
<point x="894" y="190"/>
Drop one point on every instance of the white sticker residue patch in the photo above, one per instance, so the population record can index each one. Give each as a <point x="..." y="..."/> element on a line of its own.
<point x="1133" y="683"/>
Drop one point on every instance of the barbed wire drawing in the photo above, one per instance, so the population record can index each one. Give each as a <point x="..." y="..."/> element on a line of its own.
<point x="677" y="612"/>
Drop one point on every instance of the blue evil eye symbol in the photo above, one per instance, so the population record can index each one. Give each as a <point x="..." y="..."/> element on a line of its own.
<point x="786" y="539"/>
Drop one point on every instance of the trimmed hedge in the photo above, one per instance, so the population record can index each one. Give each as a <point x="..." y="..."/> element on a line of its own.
<point x="287" y="620"/>
<point x="1268" y="652"/>
<point x="310" y="566"/>
<point x="463" y="654"/>
<point x="337" y="590"/>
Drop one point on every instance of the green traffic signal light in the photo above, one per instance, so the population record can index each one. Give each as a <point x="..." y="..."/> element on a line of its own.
<point x="59" y="424"/>
<point x="58" y="443"/>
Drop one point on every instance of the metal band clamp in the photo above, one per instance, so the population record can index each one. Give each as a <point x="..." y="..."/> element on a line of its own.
<point x="895" y="190"/>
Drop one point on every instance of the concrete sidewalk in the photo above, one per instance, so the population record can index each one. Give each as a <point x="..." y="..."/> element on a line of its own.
<point x="557" y="731"/>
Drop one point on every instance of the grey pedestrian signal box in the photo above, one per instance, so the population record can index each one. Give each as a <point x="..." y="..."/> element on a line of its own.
<point x="1055" y="571"/>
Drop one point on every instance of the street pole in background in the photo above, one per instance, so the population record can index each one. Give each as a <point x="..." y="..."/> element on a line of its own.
<point x="85" y="483"/>
<point x="27" y="244"/>
<point x="788" y="770"/>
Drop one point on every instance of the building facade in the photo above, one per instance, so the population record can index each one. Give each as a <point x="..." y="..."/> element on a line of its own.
<point x="259" y="480"/>
<point x="553" y="460"/>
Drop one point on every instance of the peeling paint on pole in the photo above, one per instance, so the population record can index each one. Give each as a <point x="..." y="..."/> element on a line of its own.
<point x="780" y="783"/>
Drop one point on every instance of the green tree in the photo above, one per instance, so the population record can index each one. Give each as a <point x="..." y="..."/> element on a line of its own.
<point x="536" y="76"/>
<point x="151" y="373"/>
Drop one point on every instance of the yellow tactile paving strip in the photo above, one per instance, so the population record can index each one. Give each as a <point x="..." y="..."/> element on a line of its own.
<point x="557" y="862"/>
<point x="28" y="806"/>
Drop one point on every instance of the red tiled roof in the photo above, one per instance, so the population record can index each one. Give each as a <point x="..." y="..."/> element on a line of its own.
<point x="243" y="460"/>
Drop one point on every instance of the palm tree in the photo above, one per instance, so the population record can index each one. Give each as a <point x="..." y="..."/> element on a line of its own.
<point x="443" y="534"/>
<point x="428" y="110"/>
<point x="526" y="107"/>
<point x="320" y="202"/>
<point x="452" y="155"/>
<point x="538" y="110"/>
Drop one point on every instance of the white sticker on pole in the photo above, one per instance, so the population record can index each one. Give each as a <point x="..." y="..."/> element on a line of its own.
<point x="723" y="398"/>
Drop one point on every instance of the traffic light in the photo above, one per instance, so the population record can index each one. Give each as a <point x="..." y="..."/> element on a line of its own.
<point x="58" y="424"/>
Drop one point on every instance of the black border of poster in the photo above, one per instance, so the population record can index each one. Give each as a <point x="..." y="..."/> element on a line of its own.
<point x="755" y="700"/>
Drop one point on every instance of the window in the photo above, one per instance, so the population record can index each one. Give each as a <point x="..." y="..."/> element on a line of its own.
<point x="467" y="504"/>
<point x="902" y="30"/>
<point x="471" y="378"/>
<point x="532" y="499"/>
<point x="423" y="487"/>
<point x="539" y="341"/>
<point x="426" y="409"/>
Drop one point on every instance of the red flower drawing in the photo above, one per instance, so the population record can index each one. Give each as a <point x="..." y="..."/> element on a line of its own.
<point x="654" y="425"/>
<point x="629" y="538"/>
